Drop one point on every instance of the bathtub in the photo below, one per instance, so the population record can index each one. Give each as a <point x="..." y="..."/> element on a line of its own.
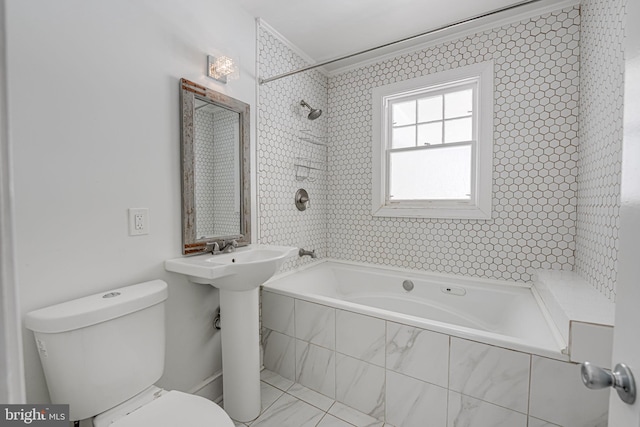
<point x="448" y="350"/>
<point x="505" y="314"/>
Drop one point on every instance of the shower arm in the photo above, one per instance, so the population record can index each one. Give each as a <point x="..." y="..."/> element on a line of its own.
<point x="433" y="31"/>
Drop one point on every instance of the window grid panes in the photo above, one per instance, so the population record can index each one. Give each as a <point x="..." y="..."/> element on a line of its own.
<point x="430" y="119"/>
<point x="431" y="145"/>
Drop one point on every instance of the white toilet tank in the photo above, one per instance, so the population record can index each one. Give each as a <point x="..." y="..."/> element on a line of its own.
<point x="101" y="350"/>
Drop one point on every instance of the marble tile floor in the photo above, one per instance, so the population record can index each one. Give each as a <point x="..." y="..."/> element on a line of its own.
<point x="288" y="404"/>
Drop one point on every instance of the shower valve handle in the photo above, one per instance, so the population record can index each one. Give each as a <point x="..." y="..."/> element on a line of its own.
<point x="302" y="199"/>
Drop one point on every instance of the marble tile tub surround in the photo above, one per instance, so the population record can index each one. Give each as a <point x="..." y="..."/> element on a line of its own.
<point x="425" y="375"/>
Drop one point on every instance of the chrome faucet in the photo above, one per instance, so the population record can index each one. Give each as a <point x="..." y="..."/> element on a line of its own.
<point x="227" y="247"/>
<point x="303" y="252"/>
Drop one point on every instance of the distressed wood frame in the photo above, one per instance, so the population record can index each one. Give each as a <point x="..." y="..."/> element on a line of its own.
<point x="189" y="90"/>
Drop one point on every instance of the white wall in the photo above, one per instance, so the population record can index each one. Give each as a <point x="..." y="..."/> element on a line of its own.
<point x="94" y="114"/>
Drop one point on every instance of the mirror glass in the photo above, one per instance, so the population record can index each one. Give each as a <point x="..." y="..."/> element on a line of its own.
<point x="215" y="169"/>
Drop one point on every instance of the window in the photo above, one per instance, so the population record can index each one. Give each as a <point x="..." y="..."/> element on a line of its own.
<point x="433" y="145"/>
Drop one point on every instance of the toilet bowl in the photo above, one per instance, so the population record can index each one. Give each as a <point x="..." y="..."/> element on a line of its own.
<point x="103" y="353"/>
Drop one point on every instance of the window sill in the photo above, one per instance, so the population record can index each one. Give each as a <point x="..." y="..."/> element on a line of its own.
<point x="444" y="212"/>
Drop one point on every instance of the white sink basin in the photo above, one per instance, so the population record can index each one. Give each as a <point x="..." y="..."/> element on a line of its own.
<point x="238" y="275"/>
<point x="245" y="269"/>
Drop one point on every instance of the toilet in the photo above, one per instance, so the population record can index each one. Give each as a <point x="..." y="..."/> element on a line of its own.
<point x="103" y="353"/>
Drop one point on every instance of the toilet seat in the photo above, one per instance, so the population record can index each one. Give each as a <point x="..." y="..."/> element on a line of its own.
<point x="175" y="408"/>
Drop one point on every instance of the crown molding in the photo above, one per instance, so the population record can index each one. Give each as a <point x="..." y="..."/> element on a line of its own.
<point x="261" y="23"/>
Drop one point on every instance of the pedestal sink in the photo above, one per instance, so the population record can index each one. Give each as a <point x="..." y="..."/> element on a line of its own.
<point x="237" y="275"/>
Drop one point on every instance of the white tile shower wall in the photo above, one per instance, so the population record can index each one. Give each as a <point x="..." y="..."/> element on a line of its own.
<point x="280" y="122"/>
<point x="600" y="154"/>
<point x="426" y="375"/>
<point x="226" y="209"/>
<point x="215" y="173"/>
<point x="204" y="171"/>
<point x="535" y="155"/>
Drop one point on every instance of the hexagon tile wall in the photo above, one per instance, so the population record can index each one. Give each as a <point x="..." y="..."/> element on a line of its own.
<point x="215" y="173"/>
<point x="280" y="122"/>
<point x="601" y="117"/>
<point x="545" y="204"/>
<point x="535" y="155"/>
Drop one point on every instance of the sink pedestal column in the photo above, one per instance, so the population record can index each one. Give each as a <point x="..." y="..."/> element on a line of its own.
<point x="240" y="353"/>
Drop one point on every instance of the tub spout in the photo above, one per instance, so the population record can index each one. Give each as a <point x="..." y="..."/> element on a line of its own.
<point x="303" y="252"/>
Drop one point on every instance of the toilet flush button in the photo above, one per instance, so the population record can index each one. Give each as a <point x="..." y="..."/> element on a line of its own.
<point x="111" y="295"/>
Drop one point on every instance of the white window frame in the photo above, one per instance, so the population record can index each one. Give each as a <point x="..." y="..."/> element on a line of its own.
<point x="479" y="206"/>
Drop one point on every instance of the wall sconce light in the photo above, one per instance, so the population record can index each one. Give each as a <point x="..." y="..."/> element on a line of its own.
<point x="222" y="68"/>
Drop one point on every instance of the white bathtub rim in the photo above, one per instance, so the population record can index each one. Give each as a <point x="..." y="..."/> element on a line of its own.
<point x="553" y="327"/>
<point x="406" y="271"/>
<point x="493" y="339"/>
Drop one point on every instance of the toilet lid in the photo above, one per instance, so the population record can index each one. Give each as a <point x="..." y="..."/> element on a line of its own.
<point x="175" y="408"/>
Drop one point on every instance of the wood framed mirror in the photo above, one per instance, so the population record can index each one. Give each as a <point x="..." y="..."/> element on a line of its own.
<point x="216" y="192"/>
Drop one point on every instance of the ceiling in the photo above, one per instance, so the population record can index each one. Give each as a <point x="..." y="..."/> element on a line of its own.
<point x="328" y="29"/>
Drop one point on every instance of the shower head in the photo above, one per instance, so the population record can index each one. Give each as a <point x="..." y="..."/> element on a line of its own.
<point x="313" y="114"/>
